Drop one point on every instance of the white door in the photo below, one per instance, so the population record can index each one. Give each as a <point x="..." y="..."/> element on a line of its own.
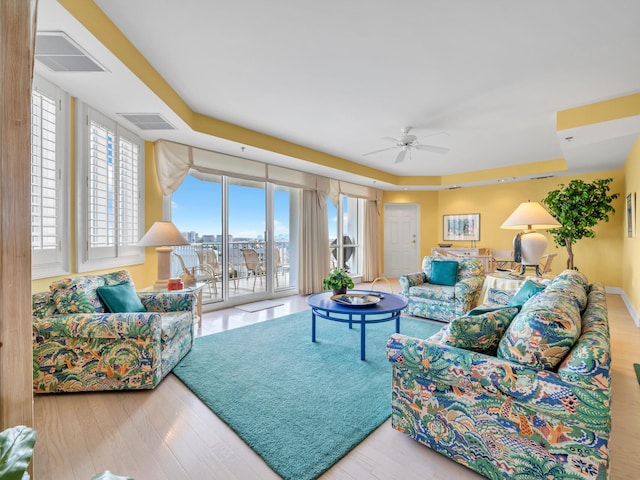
<point x="401" y="239"/>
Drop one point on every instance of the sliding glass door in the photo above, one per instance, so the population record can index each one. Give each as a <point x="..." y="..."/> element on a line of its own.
<point x="246" y="247"/>
<point x="242" y="233"/>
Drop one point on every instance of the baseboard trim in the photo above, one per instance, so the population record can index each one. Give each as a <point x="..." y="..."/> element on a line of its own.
<point x="627" y="303"/>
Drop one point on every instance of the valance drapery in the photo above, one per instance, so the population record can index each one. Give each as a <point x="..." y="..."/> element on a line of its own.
<point x="175" y="161"/>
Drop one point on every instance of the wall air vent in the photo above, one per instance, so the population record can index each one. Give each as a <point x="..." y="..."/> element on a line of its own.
<point x="61" y="54"/>
<point x="148" y="121"/>
<point x="543" y="177"/>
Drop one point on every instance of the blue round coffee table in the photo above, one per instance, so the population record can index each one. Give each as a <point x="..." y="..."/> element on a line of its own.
<point x="388" y="308"/>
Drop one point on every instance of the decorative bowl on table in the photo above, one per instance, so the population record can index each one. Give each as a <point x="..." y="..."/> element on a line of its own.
<point x="445" y="245"/>
<point x="356" y="299"/>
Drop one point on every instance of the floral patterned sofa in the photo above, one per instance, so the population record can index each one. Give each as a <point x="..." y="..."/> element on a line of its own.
<point x="533" y="402"/>
<point x="78" y="346"/>
<point x="443" y="302"/>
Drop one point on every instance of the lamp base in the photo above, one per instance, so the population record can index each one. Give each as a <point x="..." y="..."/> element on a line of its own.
<point x="524" y="269"/>
<point x="161" y="284"/>
<point x="164" y="268"/>
<point x="532" y="247"/>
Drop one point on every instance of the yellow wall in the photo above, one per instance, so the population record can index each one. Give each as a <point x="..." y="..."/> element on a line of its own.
<point x="598" y="258"/>
<point x="631" y="246"/>
<point x="143" y="274"/>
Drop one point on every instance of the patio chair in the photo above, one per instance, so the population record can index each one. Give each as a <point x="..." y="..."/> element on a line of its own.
<point x="280" y="266"/>
<point x="253" y="264"/>
<point x="201" y="273"/>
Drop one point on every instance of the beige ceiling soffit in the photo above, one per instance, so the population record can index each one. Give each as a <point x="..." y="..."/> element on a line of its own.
<point x="599" y="112"/>
<point x="426" y="181"/>
<point x="219" y="128"/>
<point x="101" y="26"/>
<point x="95" y="20"/>
<point x="522" y="170"/>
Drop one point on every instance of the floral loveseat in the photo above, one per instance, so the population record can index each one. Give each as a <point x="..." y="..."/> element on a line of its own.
<point x="533" y="402"/>
<point x="79" y="346"/>
<point x="443" y="302"/>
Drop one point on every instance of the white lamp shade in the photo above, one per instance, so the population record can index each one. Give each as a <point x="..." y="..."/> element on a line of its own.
<point x="530" y="215"/>
<point x="162" y="234"/>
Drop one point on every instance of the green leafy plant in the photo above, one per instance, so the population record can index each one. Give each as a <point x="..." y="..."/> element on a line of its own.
<point x="579" y="206"/>
<point x="338" y="279"/>
<point x="16" y="450"/>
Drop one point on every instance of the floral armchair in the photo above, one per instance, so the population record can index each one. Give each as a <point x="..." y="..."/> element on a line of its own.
<point x="443" y="302"/>
<point x="79" y="346"/>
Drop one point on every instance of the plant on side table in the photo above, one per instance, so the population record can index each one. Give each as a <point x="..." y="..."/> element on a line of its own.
<point x="338" y="281"/>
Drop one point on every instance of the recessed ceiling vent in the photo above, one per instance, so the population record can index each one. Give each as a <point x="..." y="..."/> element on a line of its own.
<point x="61" y="54"/>
<point x="148" y="121"/>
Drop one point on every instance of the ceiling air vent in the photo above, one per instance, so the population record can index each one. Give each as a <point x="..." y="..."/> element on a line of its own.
<point x="61" y="54"/>
<point x="148" y="121"/>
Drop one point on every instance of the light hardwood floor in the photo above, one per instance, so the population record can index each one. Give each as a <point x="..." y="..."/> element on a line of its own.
<point x="167" y="433"/>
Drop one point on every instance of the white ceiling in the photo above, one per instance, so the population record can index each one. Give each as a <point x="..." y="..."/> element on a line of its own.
<point x="483" y="78"/>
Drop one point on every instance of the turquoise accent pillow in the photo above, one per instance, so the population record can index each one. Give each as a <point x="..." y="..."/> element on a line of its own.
<point x="481" y="310"/>
<point x="527" y="290"/>
<point x="444" y="272"/>
<point x="120" y="298"/>
<point x="479" y="333"/>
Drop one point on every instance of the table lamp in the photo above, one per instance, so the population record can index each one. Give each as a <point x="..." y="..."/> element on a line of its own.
<point x="163" y="235"/>
<point x="529" y="216"/>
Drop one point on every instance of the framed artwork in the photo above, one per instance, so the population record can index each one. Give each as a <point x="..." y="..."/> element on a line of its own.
<point x="631" y="215"/>
<point x="461" y="227"/>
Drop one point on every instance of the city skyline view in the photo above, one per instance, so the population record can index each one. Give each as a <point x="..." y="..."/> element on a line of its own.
<point x="197" y="207"/>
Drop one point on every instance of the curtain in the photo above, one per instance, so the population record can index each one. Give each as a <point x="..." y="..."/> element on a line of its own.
<point x="371" y="241"/>
<point x="314" y="239"/>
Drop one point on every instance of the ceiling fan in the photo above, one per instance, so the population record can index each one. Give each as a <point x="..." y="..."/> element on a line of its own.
<point x="406" y="143"/>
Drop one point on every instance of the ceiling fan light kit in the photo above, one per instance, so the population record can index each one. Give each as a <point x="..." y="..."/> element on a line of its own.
<point x="406" y="143"/>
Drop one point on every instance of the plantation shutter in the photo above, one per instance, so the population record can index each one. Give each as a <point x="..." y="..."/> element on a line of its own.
<point x="44" y="235"/>
<point x="128" y="194"/>
<point x="114" y="209"/>
<point x="101" y="208"/>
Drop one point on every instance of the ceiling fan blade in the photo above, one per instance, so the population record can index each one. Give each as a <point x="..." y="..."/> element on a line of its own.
<point x="391" y="139"/>
<point x="432" y="148"/>
<point x="378" y="151"/>
<point x="401" y="155"/>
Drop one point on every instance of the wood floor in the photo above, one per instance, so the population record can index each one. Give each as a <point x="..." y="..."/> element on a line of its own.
<point x="167" y="433"/>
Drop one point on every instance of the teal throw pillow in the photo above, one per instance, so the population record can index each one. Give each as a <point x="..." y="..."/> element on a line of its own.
<point x="479" y="333"/>
<point x="527" y="290"/>
<point x="444" y="272"/>
<point x="481" y="310"/>
<point x="120" y="298"/>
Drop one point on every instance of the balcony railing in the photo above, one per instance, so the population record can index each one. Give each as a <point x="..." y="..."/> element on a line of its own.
<point x="241" y="280"/>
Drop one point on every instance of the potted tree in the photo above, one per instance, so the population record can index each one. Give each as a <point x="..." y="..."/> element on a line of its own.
<point x="338" y="281"/>
<point x="579" y="206"/>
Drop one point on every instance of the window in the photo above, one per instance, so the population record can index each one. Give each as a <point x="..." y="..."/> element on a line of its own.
<point x="111" y="210"/>
<point x="345" y="231"/>
<point x="49" y="167"/>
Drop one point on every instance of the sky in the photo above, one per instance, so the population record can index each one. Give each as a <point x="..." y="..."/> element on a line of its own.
<point x="197" y="206"/>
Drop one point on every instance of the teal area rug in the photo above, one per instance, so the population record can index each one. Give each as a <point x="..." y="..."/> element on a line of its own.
<point x="636" y="367"/>
<point x="300" y="405"/>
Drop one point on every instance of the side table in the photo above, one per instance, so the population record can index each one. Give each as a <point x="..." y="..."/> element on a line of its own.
<point x="195" y="289"/>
